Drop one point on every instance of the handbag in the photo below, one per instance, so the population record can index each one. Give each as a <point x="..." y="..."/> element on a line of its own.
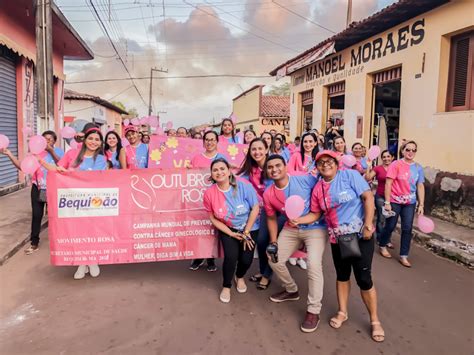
<point x="42" y="196"/>
<point x="348" y="243"/>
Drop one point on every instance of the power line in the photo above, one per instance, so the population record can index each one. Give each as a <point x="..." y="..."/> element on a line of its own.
<point x="172" y="77"/>
<point x="240" y="28"/>
<point x="116" y="51"/>
<point x="113" y="97"/>
<point x="301" y="16"/>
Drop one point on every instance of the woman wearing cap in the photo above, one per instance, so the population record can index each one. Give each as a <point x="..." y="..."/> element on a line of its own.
<point x="204" y="160"/>
<point x="380" y="174"/>
<point x="233" y="209"/>
<point x="89" y="158"/>
<point x="404" y="186"/>
<point x="51" y="155"/>
<point x="347" y="202"/>
<point x="114" y="151"/>
<point x="228" y="131"/>
<point x="136" y="152"/>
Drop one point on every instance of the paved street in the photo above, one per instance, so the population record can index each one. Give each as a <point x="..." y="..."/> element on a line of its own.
<point x="163" y="308"/>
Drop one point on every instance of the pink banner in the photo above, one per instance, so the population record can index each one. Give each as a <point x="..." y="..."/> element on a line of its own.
<point x="129" y="216"/>
<point x="173" y="152"/>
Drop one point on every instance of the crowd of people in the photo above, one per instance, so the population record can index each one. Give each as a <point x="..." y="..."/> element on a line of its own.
<point x="247" y="205"/>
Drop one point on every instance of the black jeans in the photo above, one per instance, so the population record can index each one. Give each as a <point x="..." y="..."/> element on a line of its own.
<point x="362" y="266"/>
<point x="37" y="208"/>
<point x="236" y="260"/>
<point x="263" y="240"/>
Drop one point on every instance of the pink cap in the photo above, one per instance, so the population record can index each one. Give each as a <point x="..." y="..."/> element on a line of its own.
<point x="130" y="128"/>
<point x="329" y="153"/>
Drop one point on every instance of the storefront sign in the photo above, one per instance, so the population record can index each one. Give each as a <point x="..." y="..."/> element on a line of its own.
<point x="274" y="121"/>
<point x="407" y="36"/>
<point x="129" y="216"/>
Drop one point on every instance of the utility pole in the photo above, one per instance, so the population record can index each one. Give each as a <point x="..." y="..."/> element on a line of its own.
<point x="150" y="110"/>
<point x="349" y="13"/>
<point x="44" y="63"/>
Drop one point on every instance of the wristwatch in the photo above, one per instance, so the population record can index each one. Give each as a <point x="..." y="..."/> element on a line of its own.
<point x="246" y="232"/>
<point x="369" y="228"/>
<point x="386" y="203"/>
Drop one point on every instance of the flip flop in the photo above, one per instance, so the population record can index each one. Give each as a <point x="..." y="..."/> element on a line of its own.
<point x="377" y="335"/>
<point x="337" y="323"/>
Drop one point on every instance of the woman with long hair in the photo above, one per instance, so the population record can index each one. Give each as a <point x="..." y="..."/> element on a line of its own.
<point x="89" y="158"/>
<point x="268" y="138"/>
<point x="379" y="172"/>
<point x="114" y="151"/>
<point x="404" y="187"/>
<point x="233" y="209"/>
<point x="249" y="135"/>
<point x="51" y="155"/>
<point x="278" y="147"/>
<point x="339" y="146"/>
<point x="347" y="202"/>
<point x="303" y="161"/>
<point x="228" y="131"/>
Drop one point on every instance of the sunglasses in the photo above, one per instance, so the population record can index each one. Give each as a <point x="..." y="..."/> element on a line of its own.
<point x="410" y="150"/>
<point x="210" y="140"/>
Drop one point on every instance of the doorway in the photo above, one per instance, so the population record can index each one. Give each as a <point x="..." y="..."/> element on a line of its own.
<point x="336" y="102"/>
<point x="306" y="111"/>
<point x="386" y="115"/>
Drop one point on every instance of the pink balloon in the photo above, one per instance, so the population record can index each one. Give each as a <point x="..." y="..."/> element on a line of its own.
<point x="425" y="224"/>
<point x="240" y="137"/>
<point x="68" y="132"/>
<point x="27" y="131"/>
<point x="145" y="120"/>
<point x="135" y="121"/>
<point x="291" y="147"/>
<point x="373" y="152"/>
<point x="169" y="125"/>
<point x="159" y="131"/>
<point x="29" y="165"/>
<point x="37" y="144"/>
<point x="4" y="141"/>
<point x="73" y="144"/>
<point x="126" y="122"/>
<point x="294" y="206"/>
<point x="349" y="160"/>
<point x="125" y="142"/>
<point x="233" y="118"/>
<point x="153" y="121"/>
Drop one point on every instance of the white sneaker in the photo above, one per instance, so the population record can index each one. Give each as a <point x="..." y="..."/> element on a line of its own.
<point x="225" y="295"/>
<point x="81" y="271"/>
<point x="292" y="261"/>
<point x="302" y="264"/>
<point x="94" y="270"/>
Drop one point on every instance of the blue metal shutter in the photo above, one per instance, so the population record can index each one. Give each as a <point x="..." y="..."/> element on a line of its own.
<point x="8" y="115"/>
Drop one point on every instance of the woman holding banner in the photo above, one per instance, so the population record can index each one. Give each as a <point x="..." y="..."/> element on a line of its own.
<point x="114" y="152"/>
<point x="233" y="209"/>
<point x="137" y="152"/>
<point x="204" y="160"/>
<point x="228" y="131"/>
<point x="89" y="158"/>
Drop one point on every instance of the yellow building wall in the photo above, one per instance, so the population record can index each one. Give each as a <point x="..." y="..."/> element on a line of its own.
<point x="246" y="108"/>
<point x="445" y="139"/>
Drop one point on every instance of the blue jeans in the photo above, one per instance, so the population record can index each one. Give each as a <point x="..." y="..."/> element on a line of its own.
<point x="407" y="214"/>
<point x="263" y="240"/>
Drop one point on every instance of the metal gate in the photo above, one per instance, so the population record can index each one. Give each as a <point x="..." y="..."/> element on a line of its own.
<point x="8" y="115"/>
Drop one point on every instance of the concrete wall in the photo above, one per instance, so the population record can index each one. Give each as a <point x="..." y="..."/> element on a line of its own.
<point x="247" y="109"/>
<point x="444" y="138"/>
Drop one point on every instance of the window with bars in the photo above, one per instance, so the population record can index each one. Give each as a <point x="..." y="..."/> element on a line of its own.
<point x="461" y="73"/>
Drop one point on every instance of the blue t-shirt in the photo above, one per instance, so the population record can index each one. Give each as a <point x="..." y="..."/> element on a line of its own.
<point x="137" y="157"/>
<point x="302" y="185"/>
<point x="340" y="201"/>
<point x="285" y="154"/>
<point x="232" y="207"/>
<point x="40" y="176"/>
<point x="88" y="163"/>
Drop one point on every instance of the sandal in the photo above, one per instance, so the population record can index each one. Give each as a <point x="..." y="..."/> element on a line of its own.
<point x="377" y="335"/>
<point x="335" y="322"/>
<point x="255" y="278"/>
<point x="384" y="252"/>
<point x="263" y="287"/>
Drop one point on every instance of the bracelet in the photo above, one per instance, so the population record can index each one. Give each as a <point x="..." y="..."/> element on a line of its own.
<point x="386" y="203"/>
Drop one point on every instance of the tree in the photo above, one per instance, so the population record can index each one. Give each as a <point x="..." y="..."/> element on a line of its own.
<point x="132" y="112"/>
<point x="281" y="90"/>
<point x="118" y="104"/>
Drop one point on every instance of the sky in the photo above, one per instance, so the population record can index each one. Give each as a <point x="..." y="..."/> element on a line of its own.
<point x="248" y="38"/>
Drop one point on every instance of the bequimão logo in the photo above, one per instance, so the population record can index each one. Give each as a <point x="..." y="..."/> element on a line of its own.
<point x="90" y="202"/>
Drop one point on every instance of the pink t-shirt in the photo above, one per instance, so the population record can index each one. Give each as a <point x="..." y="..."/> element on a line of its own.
<point x="202" y="161"/>
<point x="380" y="175"/>
<point x="405" y="178"/>
<point x="68" y="158"/>
<point x="295" y="164"/>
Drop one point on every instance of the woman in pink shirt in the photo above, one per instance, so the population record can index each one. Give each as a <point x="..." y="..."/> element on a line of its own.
<point x="404" y="186"/>
<point x="380" y="173"/>
<point x="303" y="161"/>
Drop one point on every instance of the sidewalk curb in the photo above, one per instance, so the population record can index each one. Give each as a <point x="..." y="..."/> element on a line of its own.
<point x="21" y="244"/>
<point x="447" y="248"/>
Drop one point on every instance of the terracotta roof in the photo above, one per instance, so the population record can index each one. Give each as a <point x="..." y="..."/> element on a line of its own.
<point x="275" y="106"/>
<point x="73" y="95"/>
<point x="247" y="91"/>
<point x="381" y="21"/>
